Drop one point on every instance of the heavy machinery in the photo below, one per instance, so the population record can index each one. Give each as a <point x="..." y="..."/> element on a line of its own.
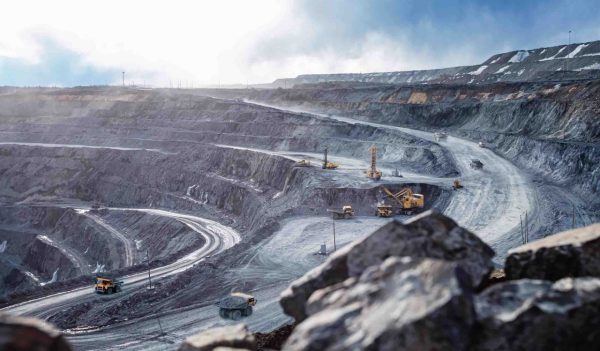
<point x="456" y="184"/>
<point x="440" y="136"/>
<point x="106" y="284"/>
<point x="346" y="213"/>
<point x="236" y="306"/>
<point x="328" y="165"/>
<point x="408" y="201"/>
<point x="373" y="172"/>
<point x="384" y="210"/>
<point x="481" y="144"/>
<point x="303" y="163"/>
<point x="395" y="173"/>
<point x="476" y="164"/>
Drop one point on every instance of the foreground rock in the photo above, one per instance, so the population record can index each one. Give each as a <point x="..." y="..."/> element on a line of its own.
<point x="573" y="253"/>
<point x="429" y="235"/>
<point x="539" y="315"/>
<point x="402" y="304"/>
<point x="233" y="337"/>
<point x="25" y="334"/>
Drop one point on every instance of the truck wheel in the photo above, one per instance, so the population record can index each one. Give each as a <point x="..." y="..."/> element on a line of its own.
<point x="248" y="311"/>
<point x="346" y="216"/>
<point x="111" y="290"/>
<point x="222" y="313"/>
<point x="236" y="315"/>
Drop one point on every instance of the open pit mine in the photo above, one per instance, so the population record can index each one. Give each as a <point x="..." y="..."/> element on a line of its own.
<point x="392" y="211"/>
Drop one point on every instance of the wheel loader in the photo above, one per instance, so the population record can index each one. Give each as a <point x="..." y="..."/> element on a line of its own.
<point x="408" y="202"/>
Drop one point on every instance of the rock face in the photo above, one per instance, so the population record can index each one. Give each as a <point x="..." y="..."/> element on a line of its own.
<point x="430" y="235"/>
<point x="569" y="254"/>
<point x="539" y="315"/>
<point x="401" y="304"/>
<point x="233" y="337"/>
<point x="25" y="334"/>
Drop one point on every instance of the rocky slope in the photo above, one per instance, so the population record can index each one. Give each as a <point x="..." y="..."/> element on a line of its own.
<point x="425" y="296"/>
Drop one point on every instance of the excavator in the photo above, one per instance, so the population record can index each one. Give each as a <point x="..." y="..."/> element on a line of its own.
<point x="408" y="201"/>
<point x="328" y="165"/>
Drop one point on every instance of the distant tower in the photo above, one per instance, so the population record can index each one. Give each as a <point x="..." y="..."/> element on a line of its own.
<point x="373" y="172"/>
<point x="373" y="158"/>
<point x="325" y="159"/>
<point x="123" y="78"/>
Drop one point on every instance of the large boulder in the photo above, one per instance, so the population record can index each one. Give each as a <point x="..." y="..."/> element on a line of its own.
<point x="401" y="304"/>
<point x="539" y="315"/>
<point x="430" y="234"/>
<point x="232" y="337"/>
<point x="25" y="334"/>
<point x="574" y="253"/>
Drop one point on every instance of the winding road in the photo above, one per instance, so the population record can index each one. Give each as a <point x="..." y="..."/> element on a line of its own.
<point x="217" y="239"/>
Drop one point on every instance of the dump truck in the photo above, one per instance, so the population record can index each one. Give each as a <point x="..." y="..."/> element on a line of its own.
<point x="327" y="164"/>
<point x="373" y="172"/>
<point x="456" y="184"/>
<point x="476" y="164"/>
<point x="303" y="163"/>
<point x="236" y="305"/>
<point x="481" y="144"/>
<point x="107" y="284"/>
<point x="346" y="213"/>
<point x="408" y="202"/>
<point x="384" y="210"/>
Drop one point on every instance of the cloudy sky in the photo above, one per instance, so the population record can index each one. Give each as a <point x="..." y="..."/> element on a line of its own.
<point x="66" y="43"/>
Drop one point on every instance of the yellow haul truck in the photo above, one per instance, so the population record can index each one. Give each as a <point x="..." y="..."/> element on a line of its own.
<point x="106" y="284"/>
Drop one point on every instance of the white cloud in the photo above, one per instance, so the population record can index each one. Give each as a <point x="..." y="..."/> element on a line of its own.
<point x="199" y="42"/>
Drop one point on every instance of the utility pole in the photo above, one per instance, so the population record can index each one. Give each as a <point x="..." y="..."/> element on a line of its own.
<point x="123" y="78"/>
<point x="522" y="235"/>
<point x="567" y="57"/>
<point x="333" y="221"/>
<point x="573" y="226"/>
<point x="149" y="280"/>
<point x="526" y="228"/>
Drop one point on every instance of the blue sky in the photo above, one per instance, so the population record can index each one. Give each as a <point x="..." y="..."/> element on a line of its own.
<point x="191" y="43"/>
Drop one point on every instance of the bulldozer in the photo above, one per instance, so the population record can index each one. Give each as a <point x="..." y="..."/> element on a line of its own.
<point x="106" y="284"/>
<point x="456" y="184"/>
<point x="346" y="213"/>
<point x="328" y="165"/>
<point x="408" y="201"/>
<point x="373" y="172"/>
<point x="384" y="210"/>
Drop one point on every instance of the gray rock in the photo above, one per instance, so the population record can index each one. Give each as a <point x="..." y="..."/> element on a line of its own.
<point x="430" y="234"/>
<point x="402" y="304"/>
<point x="25" y="334"/>
<point x="572" y="253"/>
<point x="232" y="337"/>
<point x="539" y="315"/>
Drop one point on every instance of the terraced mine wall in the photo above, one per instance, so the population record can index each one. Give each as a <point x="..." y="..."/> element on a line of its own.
<point x="551" y="129"/>
<point x="174" y="150"/>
